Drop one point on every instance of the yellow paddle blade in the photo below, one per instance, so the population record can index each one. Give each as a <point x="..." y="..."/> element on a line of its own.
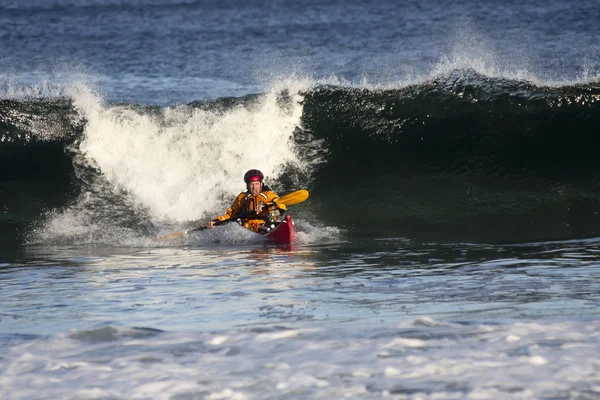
<point x="171" y="236"/>
<point x="293" y="198"/>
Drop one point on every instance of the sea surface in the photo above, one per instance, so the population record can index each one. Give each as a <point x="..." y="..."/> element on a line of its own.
<point x="449" y="248"/>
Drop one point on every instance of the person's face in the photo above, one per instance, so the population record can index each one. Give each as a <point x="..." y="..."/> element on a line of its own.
<point x="255" y="187"/>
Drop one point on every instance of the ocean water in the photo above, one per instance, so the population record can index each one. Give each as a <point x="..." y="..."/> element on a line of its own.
<point x="448" y="249"/>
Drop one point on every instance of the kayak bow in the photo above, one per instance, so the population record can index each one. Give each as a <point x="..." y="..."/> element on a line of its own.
<point x="281" y="232"/>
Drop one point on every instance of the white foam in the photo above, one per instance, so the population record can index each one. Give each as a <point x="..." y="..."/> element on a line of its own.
<point x="308" y="233"/>
<point x="405" y="342"/>
<point x="537" y="360"/>
<point x="80" y="226"/>
<point x="177" y="164"/>
<point x="181" y="162"/>
<point x="267" y="337"/>
<point x="218" y="340"/>
<point x="230" y="234"/>
<point x="464" y="363"/>
<point x="46" y="84"/>
<point x="227" y="394"/>
<point x="472" y="50"/>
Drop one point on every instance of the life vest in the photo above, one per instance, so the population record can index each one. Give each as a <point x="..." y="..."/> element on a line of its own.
<point x="245" y="203"/>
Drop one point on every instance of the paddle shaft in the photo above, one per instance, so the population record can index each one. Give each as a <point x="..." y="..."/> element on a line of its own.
<point x="230" y="219"/>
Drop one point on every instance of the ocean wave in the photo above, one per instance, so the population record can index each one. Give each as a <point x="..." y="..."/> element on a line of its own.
<point x="460" y="124"/>
<point x="459" y="156"/>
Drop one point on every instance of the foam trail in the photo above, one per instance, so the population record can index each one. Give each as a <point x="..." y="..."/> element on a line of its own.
<point x="182" y="163"/>
<point x="309" y="234"/>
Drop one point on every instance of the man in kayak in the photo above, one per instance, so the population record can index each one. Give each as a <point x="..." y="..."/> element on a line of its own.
<point x="250" y="205"/>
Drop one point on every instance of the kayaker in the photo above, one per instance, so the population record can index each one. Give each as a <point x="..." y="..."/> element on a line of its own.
<point x="250" y="205"/>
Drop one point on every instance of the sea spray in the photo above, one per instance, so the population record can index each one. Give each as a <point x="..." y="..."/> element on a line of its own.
<point x="182" y="163"/>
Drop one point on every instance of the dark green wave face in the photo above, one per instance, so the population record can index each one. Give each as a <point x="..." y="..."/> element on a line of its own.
<point x="463" y="157"/>
<point x="36" y="171"/>
<point x="460" y="158"/>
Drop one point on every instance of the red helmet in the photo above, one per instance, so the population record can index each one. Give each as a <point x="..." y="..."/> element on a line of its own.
<point x="253" y="175"/>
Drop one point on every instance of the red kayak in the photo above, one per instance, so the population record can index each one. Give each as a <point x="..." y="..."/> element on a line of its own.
<point x="280" y="232"/>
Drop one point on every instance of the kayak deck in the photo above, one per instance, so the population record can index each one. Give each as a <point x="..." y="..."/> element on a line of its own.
<point x="279" y="232"/>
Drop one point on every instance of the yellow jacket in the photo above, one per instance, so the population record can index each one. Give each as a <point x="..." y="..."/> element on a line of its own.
<point x="245" y="203"/>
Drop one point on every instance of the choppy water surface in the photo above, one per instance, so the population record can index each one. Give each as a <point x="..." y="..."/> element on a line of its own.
<point x="360" y="319"/>
<point x="448" y="249"/>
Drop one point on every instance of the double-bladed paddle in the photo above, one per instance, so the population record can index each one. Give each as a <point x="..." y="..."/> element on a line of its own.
<point x="288" y="200"/>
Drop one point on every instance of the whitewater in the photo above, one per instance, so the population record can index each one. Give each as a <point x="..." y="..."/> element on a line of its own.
<point x="448" y="249"/>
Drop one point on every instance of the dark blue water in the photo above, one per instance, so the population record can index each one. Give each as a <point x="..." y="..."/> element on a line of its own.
<point x="158" y="52"/>
<point x="448" y="248"/>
